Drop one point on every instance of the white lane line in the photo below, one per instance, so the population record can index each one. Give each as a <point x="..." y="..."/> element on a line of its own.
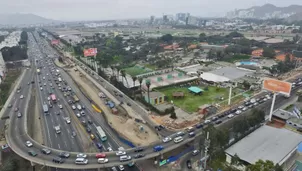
<point x="56" y="135"/>
<point x="59" y="146"/>
<point x="68" y="131"/>
<point x="51" y="120"/>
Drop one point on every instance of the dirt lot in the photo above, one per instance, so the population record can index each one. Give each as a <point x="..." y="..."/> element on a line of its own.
<point x="125" y="126"/>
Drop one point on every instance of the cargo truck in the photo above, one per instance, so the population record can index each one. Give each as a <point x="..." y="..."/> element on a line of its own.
<point x="75" y="98"/>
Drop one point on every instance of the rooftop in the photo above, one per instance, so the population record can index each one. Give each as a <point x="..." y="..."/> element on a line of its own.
<point x="282" y="114"/>
<point x="230" y="72"/>
<point x="266" y="143"/>
<point x="195" y="89"/>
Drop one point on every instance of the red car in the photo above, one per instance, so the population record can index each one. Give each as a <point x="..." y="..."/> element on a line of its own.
<point x="100" y="155"/>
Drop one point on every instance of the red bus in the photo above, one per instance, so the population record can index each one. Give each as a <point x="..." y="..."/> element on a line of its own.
<point x="53" y="97"/>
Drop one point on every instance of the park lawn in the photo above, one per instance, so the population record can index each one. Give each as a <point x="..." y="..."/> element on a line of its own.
<point x="191" y="102"/>
<point x="135" y="70"/>
<point x="237" y="58"/>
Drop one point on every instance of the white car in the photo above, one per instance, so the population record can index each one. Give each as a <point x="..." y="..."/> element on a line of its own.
<point x="68" y="121"/>
<point x="28" y="144"/>
<point x="48" y="98"/>
<point x="207" y="121"/>
<point x="41" y="88"/>
<point x="109" y="149"/>
<point x="120" y="153"/>
<point x="60" y="106"/>
<point x="81" y="155"/>
<point x="21" y="97"/>
<point x="73" y="107"/>
<point x="78" y="115"/>
<point x="103" y="160"/>
<point x="238" y="112"/>
<point x="230" y="115"/>
<point x="167" y="139"/>
<point x="244" y="109"/>
<point x="121" y="167"/>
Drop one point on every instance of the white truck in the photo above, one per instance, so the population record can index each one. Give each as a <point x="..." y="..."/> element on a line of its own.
<point x="57" y="129"/>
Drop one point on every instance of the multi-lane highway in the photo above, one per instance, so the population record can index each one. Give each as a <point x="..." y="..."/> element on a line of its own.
<point x="65" y="141"/>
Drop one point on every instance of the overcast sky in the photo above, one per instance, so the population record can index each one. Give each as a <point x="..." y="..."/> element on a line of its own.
<point x="121" y="9"/>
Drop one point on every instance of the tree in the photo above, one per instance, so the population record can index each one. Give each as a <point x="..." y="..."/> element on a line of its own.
<point x="235" y="160"/>
<point x="234" y="34"/>
<point x="123" y="72"/>
<point x="134" y="78"/>
<point x="140" y="80"/>
<point x="246" y="85"/>
<point x="202" y="37"/>
<point x="173" y="114"/>
<point x="148" y="84"/>
<point x="211" y="54"/>
<point x="261" y="165"/>
<point x="268" y="52"/>
<point x="167" y="38"/>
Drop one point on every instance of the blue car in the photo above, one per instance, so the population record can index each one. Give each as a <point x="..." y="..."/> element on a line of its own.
<point x="99" y="145"/>
<point x="158" y="148"/>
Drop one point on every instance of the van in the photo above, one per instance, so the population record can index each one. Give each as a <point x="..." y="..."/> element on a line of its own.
<point x="190" y="129"/>
<point x="125" y="158"/>
<point x="81" y="161"/>
<point x="158" y="148"/>
<point x="178" y="139"/>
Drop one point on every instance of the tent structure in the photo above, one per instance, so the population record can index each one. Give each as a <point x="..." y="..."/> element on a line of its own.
<point x="195" y="90"/>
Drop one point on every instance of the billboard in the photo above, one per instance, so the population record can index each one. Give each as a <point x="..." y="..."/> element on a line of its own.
<point x="278" y="86"/>
<point x="90" y="52"/>
<point x="55" y="42"/>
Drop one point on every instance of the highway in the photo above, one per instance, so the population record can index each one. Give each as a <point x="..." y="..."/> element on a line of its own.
<point x="16" y="134"/>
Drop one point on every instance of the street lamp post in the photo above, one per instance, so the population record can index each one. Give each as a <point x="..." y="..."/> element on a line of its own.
<point x="206" y="149"/>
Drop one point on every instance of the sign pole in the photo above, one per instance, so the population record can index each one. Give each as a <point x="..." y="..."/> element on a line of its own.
<point x="272" y="106"/>
<point x="96" y="65"/>
<point x="230" y="95"/>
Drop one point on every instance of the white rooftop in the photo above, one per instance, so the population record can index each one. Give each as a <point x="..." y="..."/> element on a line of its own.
<point x="266" y="143"/>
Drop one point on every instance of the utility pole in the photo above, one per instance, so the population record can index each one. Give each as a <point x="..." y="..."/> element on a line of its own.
<point x="206" y="149"/>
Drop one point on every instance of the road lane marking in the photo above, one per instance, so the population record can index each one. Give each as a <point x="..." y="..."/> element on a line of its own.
<point x="65" y="143"/>
<point x="59" y="146"/>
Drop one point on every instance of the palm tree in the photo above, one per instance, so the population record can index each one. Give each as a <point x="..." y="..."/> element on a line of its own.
<point x="118" y="69"/>
<point x="134" y="78"/>
<point x="123" y="72"/>
<point x="148" y="84"/>
<point x="140" y="79"/>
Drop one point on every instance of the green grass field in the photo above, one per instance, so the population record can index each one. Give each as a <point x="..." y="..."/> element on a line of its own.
<point x="137" y="70"/>
<point x="191" y="102"/>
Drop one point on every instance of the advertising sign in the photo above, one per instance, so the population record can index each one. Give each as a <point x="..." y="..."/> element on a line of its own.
<point x="55" y="42"/>
<point x="90" y="52"/>
<point x="277" y="86"/>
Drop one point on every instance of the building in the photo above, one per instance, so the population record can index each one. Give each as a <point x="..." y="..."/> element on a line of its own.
<point x="152" y="18"/>
<point x="266" y="143"/>
<point x="193" y="21"/>
<point x="155" y="98"/>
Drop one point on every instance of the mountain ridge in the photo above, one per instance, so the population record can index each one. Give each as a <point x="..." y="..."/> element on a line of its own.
<point x="17" y="19"/>
<point x="267" y="11"/>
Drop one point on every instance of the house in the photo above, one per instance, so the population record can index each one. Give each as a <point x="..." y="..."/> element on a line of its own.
<point x="155" y="98"/>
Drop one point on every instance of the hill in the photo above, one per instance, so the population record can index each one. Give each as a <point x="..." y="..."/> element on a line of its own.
<point x="268" y="11"/>
<point x="23" y="19"/>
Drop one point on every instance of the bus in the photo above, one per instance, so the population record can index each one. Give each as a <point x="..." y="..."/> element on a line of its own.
<point x="53" y="97"/>
<point x="101" y="134"/>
